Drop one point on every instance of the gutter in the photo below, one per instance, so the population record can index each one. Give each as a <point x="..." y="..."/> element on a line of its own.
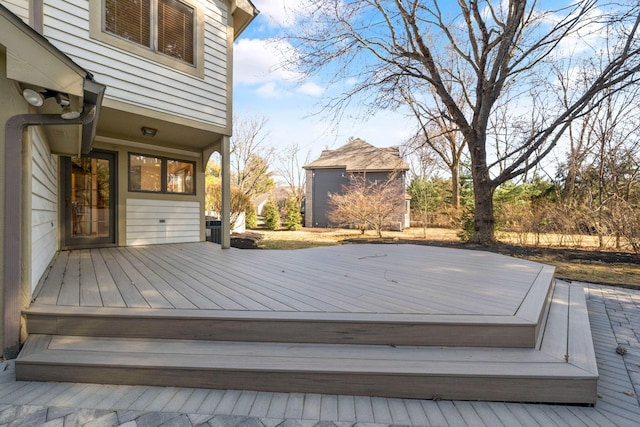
<point x="12" y="274"/>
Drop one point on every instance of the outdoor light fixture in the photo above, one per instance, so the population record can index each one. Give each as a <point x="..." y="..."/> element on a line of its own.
<point x="62" y="99"/>
<point x="33" y="97"/>
<point x="148" y="131"/>
<point x="69" y="114"/>
<point x="36" y="99"/>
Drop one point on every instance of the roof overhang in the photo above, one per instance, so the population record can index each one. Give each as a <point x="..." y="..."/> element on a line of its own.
<point x="124" y="122"/>
<point x="243" y="12"/>
<point x="35" y="63"/>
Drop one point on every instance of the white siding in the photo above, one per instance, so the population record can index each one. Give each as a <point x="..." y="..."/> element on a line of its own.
<point x="44" y="208"/>
<point x="139" y="81"/>
<point x="19" y="7"/>
<point x="181" y="221"/>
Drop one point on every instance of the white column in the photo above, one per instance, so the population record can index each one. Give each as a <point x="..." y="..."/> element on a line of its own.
<point x="226" y="193"/>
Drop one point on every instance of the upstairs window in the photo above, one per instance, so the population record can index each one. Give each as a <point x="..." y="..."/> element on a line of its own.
<point x="164" y="26"/>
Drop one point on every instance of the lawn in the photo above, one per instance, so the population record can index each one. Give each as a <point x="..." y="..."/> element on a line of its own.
<point x="576" y="258"/>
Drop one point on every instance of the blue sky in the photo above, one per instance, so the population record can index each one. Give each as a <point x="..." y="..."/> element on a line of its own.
<point x="288" y="100"/>
<point x="291" y="102"/>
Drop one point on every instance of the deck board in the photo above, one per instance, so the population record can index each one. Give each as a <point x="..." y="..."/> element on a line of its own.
<point x="554" y="341"/>
<point x="151" y="294"/>
<point x="290" y="290"/>
<point x="128" y="291"/>
<point x="190" y="288"/>
<point x="50" y="289"/>
<point x="202" y="276"/>
<point x="378" y="292"/>
<point x="109" y="292"/>
<point x="210" y="287"/>
<point x="315" y="286"/>
<point x="262" y="285"/>
<point x="70" y="289"/>
<point x="89" y="290"/>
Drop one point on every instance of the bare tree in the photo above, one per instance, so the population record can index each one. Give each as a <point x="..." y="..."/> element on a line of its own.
<point x="448" y="146"/>
<point x="251" y="158"/>
<point x="498" y="45"/>
<point x="435" y="130"/>
<point x="423" y="162"/>
<point x="366" y="204"/>
<point x="289" y="167"/>
<point x="240" y="202"/>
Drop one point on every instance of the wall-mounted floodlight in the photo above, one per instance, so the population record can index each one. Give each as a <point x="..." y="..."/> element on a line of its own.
<point x="33" y="97"/>
<point x="69" y="114"/>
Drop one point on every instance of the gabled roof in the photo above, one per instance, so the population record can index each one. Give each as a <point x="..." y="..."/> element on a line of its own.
<point x="35" y="62"/>
<point x="360" y="156"/>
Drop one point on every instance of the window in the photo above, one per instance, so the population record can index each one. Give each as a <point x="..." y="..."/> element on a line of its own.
<point x="129" y="19"/>
<point x="179" y="177"/>
<point x="170" y="32"/>
<point x="165" y="26"/>
<point x="160" y="175"/>
<point x="175" y="30"/>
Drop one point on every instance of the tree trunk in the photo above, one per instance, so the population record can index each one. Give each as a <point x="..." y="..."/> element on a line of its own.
<point x="568" y="192"/>
<point x="483" y="218"/>
<point x="455" y="186"/>
<point x="483" y="189"/>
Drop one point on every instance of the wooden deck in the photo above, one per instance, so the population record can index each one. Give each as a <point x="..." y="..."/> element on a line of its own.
<point x="361" y="319"/>
<point x="417" y="295"/>
<point x="617" y="404"/>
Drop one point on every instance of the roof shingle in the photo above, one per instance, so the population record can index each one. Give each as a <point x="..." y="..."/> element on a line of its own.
<point x="359" y="156"/>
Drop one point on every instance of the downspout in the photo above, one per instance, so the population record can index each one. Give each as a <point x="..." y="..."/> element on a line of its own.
<point x="12" y="274"/>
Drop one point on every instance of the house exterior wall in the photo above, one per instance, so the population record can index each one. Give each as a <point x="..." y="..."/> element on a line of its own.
<point x="19" y="8"/>
<point x="141" y="82"/>
<point x="162" y="221"/>
<point x="308" y="199"/>
<point x="332" y="181"/>
<point x="138" y="214"/>
<point x="325" y="182"/>
<point x="44" y="206"/>
<point x="11" y="103"/>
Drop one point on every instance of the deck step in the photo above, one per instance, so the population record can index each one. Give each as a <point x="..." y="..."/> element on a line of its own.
<point x="560" y="369"/>
<point x="519" y="329"/>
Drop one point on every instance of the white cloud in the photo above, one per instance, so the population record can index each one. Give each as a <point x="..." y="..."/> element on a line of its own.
<point x="271" y="90"/>
<point x="351" y="81"/>
<point x="259" y="61"/>
<point x="262" y="63"/>
<point x="283" y="13"/>
<point x="311" y="89"/>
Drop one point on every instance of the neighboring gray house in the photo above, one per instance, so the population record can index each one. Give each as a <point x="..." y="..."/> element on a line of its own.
<point x="330" y="173"/>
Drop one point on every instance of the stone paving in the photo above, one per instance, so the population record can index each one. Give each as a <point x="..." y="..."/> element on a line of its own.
<point x="622" y="308"/>
<point x="36" y="416"/>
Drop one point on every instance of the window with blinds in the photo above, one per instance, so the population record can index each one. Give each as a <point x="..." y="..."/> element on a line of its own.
<point x="165" y="26"/>
<point x="175" y="29"/>
<point x="129" y="19"/>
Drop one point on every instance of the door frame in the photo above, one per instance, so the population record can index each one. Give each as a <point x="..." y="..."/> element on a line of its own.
<point x="68" y="242"/>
